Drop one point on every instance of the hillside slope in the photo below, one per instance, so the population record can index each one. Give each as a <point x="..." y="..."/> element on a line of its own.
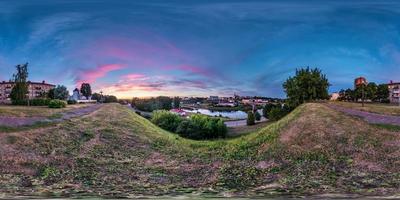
<point x="114" y="152"/>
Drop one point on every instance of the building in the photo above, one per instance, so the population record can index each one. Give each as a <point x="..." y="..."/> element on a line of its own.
<point x="35" y="89"/>
<point x="78" y="97"/>
<point x="335" y="96"/>
<point x="360" y="81"/>
<point x="394" y="92"/>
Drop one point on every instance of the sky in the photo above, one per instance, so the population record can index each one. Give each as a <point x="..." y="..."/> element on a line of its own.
<point x="198" y="48"/>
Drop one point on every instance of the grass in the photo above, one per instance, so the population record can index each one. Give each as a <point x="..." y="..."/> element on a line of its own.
<point x="116" y="153"/>
<point x="34" y="111"/>
<point x="380" y="108"/>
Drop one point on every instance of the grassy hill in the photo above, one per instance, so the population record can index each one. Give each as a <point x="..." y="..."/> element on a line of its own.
<point x="114" y="152"/>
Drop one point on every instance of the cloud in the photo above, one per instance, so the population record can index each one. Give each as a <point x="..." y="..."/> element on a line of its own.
<point x="91" y="75"/>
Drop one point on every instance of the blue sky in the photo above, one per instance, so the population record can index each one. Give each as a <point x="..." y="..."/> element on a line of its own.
<point x="199" y="48"/>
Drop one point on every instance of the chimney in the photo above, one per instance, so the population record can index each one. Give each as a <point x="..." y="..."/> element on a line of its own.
<point x="43" y="82"/>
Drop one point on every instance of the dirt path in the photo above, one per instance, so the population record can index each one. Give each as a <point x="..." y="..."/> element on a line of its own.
<point x="373" y="118"/>
<point x="26" y="121"/>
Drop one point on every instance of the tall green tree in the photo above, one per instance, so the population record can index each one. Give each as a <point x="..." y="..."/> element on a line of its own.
<point x="86" y="90"/>
<point x="307" y="85"/>
<point x="382" y="93"/>
<point x="20" y="89"/>
<point x="60" y="92"/>
<point x="370" y="91"/>
<point x="176" y="102"/>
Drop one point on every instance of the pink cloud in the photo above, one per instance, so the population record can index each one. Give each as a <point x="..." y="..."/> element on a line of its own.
<point x="90" y="76"/>
<point x="133" y="77"/>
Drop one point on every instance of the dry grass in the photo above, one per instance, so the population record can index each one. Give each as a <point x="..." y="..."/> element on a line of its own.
<point x="387" y="109"/>
<point x="34" y="111"/>
<point x="115" y="153"/>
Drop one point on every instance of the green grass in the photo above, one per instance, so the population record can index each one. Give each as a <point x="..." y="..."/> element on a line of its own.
<point x="388" y="127"/>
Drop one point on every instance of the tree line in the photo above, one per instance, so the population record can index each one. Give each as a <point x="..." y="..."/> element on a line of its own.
<point x="372" y="91"/>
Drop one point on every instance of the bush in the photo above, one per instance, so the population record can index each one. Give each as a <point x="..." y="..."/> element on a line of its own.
<point x="250" y="118"/>
<point x="32" y="102"/>
<point x="72" y="102"/>
<point x="257" y="116"/>
<point x="166" y="120"/>
<point x="267" y="108"/>
<point x="55" y="103"/>
<point x="39" y="102"/>
<point x="278" y="112"/>
<point x="202" y="127"/>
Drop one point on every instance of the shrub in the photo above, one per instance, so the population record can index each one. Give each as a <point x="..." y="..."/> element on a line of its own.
<point x="202" y="127"/>
<point x="39" y="102"/>
<point x="257" y="116"/>
<point x="166" y="120"/>
<point x="72" y="102"/>
<point x="250" y="118"/>
<point x="278" y="112"/>
<point x="55" y="103"/>
<point x="267" y="108"/>
<point x="32" y="102"/>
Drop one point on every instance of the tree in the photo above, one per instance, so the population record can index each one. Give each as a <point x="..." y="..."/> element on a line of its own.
<point x="60" y="92"/>
<point x="50" y="94"/>
<point x="96" y="96"/>
<point x="176" y="102"/>
<point x="382" y="93"/>
<point x="370" y="91"/>
<point x="20" y="89"/>
<point x="250" y="118"/>
<point x="86" y="90"/>
<point x="257" y="116"/>
<point x="307" y="85"/>
<point x="110" y="99"/>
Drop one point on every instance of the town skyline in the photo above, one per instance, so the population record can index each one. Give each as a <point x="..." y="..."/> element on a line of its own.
<point x="190" y="48"/>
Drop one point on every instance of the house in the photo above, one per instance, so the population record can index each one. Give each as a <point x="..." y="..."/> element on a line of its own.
<point x="77" y="96"/>
<point x="35" y="89"/>
<point x="360" y="81"/>
<point x="394" y="92"/>
<point x="335" y="96"/>
<point x="213" y="99"/>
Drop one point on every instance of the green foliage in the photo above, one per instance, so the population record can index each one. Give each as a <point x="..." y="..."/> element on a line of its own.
<point x="149" y="105"/>
<point x="20" y="88"/>
<point x="176" y="102"/>
<point x="60" y="92"/>
<point x="382" y="93"/>
<point x="86" y="90"/>
<point x="72" y="102"/>
<point x="257" y="116"/>
<point x="55" y="103"/>
<point x="110" y="99"/>
<point x="307" y="85"/>
<point x="267" y="108"/>
<point x="32" y="102"/>
<point x="250" y="118"/>
<point x="278" y="112"/>
<point x="202" y="127"/>
<point x="96" y="96"/>
<point x="166" y="120"/>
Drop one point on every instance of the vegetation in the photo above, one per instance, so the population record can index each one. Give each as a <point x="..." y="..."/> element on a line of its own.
<point x="60" y="92"/>
<point x="372" y="91"/>
<point x="307" y="85"/>
<point x="166" y="120"/>
<point x="56" y="103"/>
<point x="110" y="99"/>
<point x="197" y="127"/>
<point x="176" y="102"/>
<point x="250" y="118"/>
<point x="200" y="127"/>
<point x="257" y="116"/>
<point x="20" y="88"/>
<point x="116" y="153"/>
<point x="86" y="90"/>
<point x="151" y="104"/>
